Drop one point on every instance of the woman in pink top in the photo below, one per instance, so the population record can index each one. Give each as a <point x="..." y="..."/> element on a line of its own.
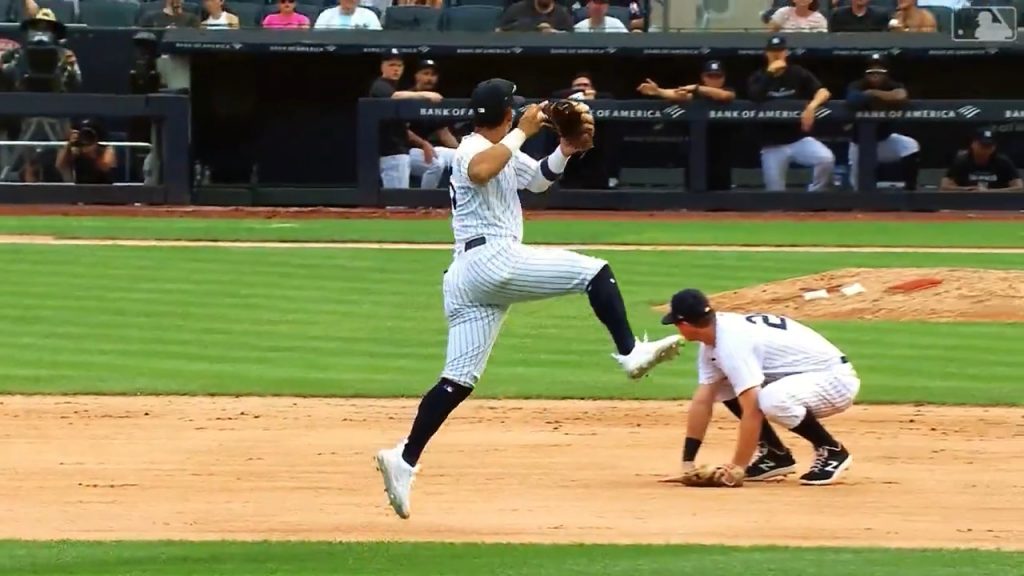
<point x="802" y="16"/>
<point x="286" y="17"/>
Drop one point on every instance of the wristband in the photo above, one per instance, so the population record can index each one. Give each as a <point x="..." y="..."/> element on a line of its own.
<point x="514" y="140"/>
<point x="551" y="168"/>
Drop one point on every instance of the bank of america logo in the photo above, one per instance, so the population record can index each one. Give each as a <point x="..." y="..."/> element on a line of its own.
<point x="968" y="111"/>
<point x="822" y="112"/>
<point x="984" y="24"/>
<point x="673" y="111"/>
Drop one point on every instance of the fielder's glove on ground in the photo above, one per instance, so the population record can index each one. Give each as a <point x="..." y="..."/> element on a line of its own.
<point x="724" y="476"/>
<point x="573" y="122"/>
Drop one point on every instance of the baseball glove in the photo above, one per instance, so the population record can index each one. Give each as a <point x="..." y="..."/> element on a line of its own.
<point x="725" y="476"/>
<point x="573" y="122"/>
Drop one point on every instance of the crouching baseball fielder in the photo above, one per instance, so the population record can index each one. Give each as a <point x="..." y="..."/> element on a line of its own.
<point x="760" y="366"/>
<point x="492" y="269"/>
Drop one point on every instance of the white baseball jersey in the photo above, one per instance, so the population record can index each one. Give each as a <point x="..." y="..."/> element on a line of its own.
<point x="483" y="282"/>
<point x="799" y="369"/>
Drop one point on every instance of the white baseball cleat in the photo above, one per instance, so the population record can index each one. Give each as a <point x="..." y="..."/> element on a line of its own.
<point x="646" y="355"/>
<point x="398" y="478"/>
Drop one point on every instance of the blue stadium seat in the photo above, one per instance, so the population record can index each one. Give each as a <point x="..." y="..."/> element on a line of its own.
<point x="472" y="18"/>
<point x="422" y="18"/>
<point x="943" y="17"/>
<point x="109" y="13"/>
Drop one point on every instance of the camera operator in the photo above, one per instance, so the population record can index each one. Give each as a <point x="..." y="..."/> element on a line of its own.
<point x="42" y="63"/>
<point x="84" y="159"/>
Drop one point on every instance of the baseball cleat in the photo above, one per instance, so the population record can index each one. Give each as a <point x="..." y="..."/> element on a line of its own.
<point x="770" y="464"/>
<point x="829" y="464"/>
<point x="646" y="355"/>
<point x="398" y="478"/>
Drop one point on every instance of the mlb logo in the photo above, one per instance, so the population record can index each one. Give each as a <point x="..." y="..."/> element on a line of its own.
<point x="985" y="24"/>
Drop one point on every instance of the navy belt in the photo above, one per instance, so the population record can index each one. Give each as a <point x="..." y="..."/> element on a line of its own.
<point x="475" y="243"/>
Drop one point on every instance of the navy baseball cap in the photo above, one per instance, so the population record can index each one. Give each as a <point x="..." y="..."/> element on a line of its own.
<point x="985" y="136"/>
<point x="776" y="43"/>
<point x="390" y="54"/>
<point x="491" y="98"/>
<point x="713" y="67"/>
<point x="876" y="64"/>
<point x="687" y="306"/>
<point x="426" y="65"/>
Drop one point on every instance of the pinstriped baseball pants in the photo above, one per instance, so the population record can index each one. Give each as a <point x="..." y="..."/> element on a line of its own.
<point x="824" y="393"/>
<point x="482" y="283"/>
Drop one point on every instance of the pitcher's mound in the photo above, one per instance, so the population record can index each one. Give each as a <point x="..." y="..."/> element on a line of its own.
<point x="932" y="294"/>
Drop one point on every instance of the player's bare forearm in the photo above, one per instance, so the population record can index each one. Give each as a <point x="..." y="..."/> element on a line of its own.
<point x="698" y="417"/>
<point x="750" y="427"/>
<point x="893" y="96"/>
<point x="487" y="164"/>
<point x="446" y="138"/>
<point x="1015" y="186"/>
<point x="716" y="94"/>
<point x="416" y="140"/>
<point x="820" y="97"/>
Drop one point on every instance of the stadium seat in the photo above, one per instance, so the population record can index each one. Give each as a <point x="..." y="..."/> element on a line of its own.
<point x="412" y="18"/>
<point x="472" y="18"/>
<point x="497" y="3"/>
<point x="109" y="13"/>
<point x="620" y="13"/>
<point x="5" y="10"/>
<point x="943" y="17"/>
<point x="249" y="15"/>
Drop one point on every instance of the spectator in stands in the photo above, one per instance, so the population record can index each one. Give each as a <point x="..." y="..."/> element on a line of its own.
<point x="712" y="87"/>
<point x="173" y="15"/>
<point x="598" y="20"/>
<point x="599" y="168"/>
<point x="217" y="16"/>
<point x="347" y="15"/>
<point x="859" y="16"/>
<point x="286" y="17"/>
<point x="981" y="168"/>
<point x="911" y="18"/>
<point x="433" y="143"/>
<point x="14" y="63"/>
<point x="802" y="16"/>
<point x="84" y="158"/>
<point x="395" y="135"/>
<point x="542" y="15"/>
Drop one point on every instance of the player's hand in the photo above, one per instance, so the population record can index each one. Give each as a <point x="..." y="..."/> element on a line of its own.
<point x="431" y="96"/>
<point x="589" y="94"/>
<point x="648" y="88"/>
<point x="569" y="149"/>
<point x="532" y="120"/>
<point x="777" y="67"/>
<point x="689" y="88"/>
<point x="70" y="59"/>
<point x="428" y="153"/>
<point x="807" y="120"/>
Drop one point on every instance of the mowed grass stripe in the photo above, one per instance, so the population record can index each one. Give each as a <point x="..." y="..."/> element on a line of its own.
<point x="984" y="233"/>
<point x="428" y="559"/>
<point x="370" y="323"/>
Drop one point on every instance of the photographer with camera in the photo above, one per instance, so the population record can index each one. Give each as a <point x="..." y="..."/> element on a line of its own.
<point x="84" y="159"/>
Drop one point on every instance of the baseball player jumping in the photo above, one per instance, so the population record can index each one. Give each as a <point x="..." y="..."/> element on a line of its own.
<point x="492" y="269"/>
<point x="760" y="366"/>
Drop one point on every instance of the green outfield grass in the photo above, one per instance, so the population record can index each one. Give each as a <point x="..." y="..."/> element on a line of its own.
<point x="108" y="319"/>
<point x="380" y="559"/>
<point x="866" y="233"/>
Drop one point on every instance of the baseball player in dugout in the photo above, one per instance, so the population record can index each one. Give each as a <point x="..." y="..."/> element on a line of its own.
<point x="785" y="142"/>
<point x="492" y="269"/>
<point x="763" y="368"/>
<point x="433" y="143"/>
<point x="876" y="91"/>
<point x="395" y="136"/>
<point x="711" y="87"/>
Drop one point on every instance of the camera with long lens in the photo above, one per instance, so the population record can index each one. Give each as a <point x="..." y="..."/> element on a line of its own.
<point x="86" y="137"/>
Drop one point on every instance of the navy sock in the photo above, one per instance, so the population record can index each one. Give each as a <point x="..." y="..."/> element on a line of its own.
<point x="768" y="436"/>
<point x="811" y="430"/>
<point x="434" y="409"/>
<point x="606" y="300"/>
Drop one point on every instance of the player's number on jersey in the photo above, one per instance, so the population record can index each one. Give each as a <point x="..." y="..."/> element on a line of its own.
<point x="451" y="192"/>
<point x="769" y="320"/>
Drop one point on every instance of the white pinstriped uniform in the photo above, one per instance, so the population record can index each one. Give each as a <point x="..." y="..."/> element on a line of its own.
<point x="799" y="368"/>
<point x="483" y="282"/>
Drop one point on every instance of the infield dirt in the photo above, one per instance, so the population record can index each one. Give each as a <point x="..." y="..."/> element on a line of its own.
<point x="87" y="467"/>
